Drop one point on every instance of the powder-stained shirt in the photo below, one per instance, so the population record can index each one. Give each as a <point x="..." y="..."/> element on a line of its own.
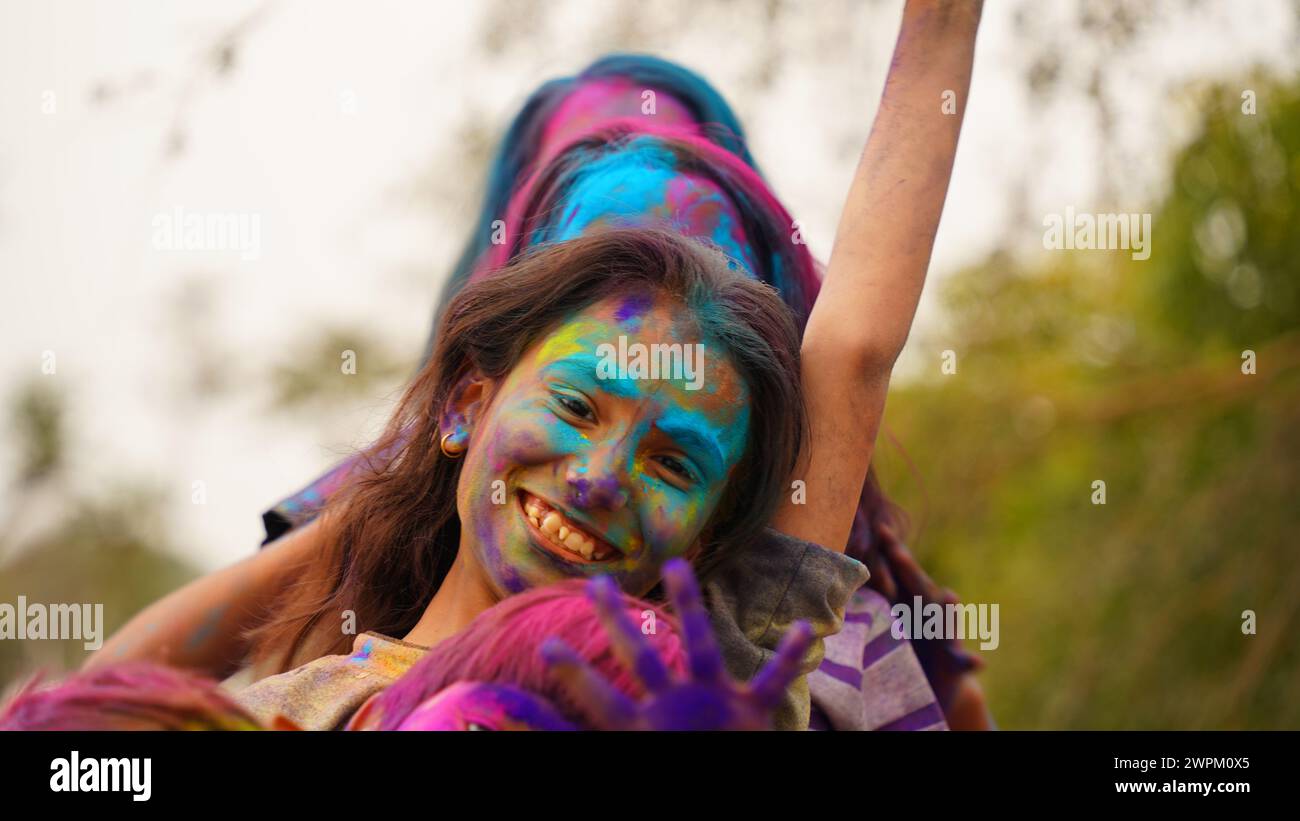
<point x="870" y="680"/>
<point x="324" y="693"/>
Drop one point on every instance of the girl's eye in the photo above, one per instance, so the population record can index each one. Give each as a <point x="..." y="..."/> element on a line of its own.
<point x="575" y="406"/>
<point x="677" y="466"/>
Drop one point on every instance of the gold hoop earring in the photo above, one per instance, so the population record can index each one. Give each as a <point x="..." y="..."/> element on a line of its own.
<point x="449" y="452"/>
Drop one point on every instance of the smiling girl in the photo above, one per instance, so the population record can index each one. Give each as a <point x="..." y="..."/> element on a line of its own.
<point x="506" y="467"/>
<point x="512" y="462"/>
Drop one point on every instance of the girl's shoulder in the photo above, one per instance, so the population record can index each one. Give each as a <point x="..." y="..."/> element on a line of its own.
<point x="779" y="580"/>
<point x="324" y="693"/>
<point x="871" y="679"/>
<point x="756" y="595"/>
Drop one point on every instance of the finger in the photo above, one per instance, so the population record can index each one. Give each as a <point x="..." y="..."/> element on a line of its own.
<point x="697" y="631"/>
<point x="769" y="686"/>
<point x="630" y="647"/>
<point x="612" y="709"/>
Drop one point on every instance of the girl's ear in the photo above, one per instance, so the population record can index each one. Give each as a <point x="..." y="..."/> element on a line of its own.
<point x="469" y="400"/>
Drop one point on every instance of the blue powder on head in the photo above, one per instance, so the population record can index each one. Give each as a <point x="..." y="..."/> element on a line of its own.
<point x="629" y="187"/>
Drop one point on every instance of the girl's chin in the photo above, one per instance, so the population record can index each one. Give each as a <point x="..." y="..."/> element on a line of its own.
<point x="525" y="566"/>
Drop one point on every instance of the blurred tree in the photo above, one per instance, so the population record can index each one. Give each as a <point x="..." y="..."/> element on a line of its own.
<point x="113" y="551"/>
<point x="1090" y="366"/>
<point x="37" y="422"/>
<point x="1228" y="268"/>
<point x="333" y="363"/>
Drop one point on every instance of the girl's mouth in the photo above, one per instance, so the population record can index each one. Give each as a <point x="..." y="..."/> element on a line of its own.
<point x="561" y="536"/>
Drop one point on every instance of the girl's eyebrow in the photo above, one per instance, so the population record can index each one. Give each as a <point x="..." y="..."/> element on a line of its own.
<point x="580" y="364"/>
<point x="683" y="431"/>
<point x="692" y="438"/>
<point x="584" y="365"/>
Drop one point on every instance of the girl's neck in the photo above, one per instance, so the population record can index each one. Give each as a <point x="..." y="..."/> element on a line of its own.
<point x="462" y="596"/>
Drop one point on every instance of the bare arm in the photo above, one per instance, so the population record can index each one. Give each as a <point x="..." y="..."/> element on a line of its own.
<point x="877" y="267"/>
<point x="200" y="626"/>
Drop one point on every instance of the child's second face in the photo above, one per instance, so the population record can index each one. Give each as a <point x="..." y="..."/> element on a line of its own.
<point x="589" y="461"/>
<point x="469" y="705"/>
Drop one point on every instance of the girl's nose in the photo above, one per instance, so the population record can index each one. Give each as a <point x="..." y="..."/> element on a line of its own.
<point x="598" y="483"/>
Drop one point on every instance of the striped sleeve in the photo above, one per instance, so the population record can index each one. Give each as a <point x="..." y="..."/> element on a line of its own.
<point x="869" y="680"/>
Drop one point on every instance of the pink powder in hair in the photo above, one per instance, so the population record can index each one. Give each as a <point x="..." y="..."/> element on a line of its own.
<point x="594" y="103"/>
<point x="502" y="646"/>
<point x="128" y="696"/>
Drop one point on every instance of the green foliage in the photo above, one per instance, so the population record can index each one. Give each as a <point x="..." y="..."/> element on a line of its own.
<point x="1088" y="366"/>
<point x="113" y="551"/>
<point x="37" y="423"/>
<point x="1227" y="267"/>
<point x="335" y="363"/>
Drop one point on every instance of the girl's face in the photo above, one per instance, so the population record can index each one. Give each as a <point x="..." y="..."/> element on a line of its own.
<point x="480" y="706"/>
<point x="468" y="705"/>
<point x="576" y="467"/>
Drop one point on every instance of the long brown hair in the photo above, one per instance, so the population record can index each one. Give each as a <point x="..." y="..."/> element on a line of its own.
<point x="391" y="533"/>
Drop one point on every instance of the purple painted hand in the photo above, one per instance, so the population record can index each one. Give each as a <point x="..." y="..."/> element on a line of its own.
<point x="707" y="698"/>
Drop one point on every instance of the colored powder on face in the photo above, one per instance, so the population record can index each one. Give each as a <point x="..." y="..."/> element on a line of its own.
<point x="485" y="706"/>
<point x="567" y="340"/>
<point x="533" y="444"/>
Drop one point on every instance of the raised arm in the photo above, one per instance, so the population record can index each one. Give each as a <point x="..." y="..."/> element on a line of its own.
<point x="878" y="263"/>
<point x="201" y="626"/>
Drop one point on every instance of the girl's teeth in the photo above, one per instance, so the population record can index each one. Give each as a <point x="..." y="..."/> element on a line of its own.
<point x="551" y="524"/>
<point x="577" y="544"/>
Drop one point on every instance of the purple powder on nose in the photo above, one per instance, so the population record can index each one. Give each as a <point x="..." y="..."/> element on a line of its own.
<point x="579" y="490"/>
